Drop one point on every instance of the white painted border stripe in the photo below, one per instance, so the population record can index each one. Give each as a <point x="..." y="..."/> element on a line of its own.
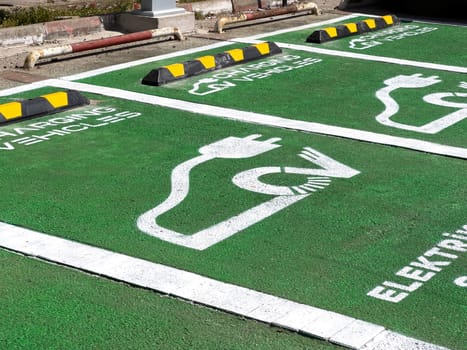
<point x="146" y="60"/>
<point x="365" y="57"/>
<point x="268" y="120"/>
<point x="338" y="19"/>
<point x="184" y="52"/>
<point x="254" y="39"/>
<point x="116" y="67"/>
<point x="331" y="326"/>
<point x="99" y="71"/>
<point x="24" y="88"/>
<point x="339" y="329"/>
<point x="250" y="40"/>
<point x="305" y="26"/>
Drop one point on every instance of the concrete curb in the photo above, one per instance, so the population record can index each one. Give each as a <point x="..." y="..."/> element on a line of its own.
<point x="37" y="34"/>
<point x="214" y="7"/>
<point x="209" y="7"/>
<point x="42" y="32"/>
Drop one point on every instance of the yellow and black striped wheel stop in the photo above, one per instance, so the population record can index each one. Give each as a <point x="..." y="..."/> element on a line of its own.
<point x="177" y="71"/>
<point x="42" y="105"/>
<point x="341" y="31"/>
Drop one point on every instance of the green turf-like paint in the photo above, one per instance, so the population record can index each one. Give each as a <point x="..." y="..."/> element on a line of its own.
<point x="410" y="40"/>
<point x="324" y="84"/>
<point x="89" y="312"/>
<point x="327" y="250"/>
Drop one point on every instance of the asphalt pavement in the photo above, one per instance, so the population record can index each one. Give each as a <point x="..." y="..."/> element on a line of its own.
<point x="13" y="73"/>
<point x="28" y="38"/>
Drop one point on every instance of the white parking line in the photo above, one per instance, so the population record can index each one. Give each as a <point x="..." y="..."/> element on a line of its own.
<point x="185" y="52"/>
<point x="361" y="56"/>
<point x="24" y="88"/>
<point x="331" y="326"/>
<point x="336" y="328"/>
<point x="116" y="67"/>
<point x="268" y="120"/>
<point x="254" y="39"/>
<point x="308" y="26"/>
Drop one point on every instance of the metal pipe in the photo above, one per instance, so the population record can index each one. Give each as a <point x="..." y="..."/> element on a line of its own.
<point x="34" y="56"/>
<point x="242" y="17"/>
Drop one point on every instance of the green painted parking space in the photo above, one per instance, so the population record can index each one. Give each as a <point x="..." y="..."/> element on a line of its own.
<point x="237" y="175"/>
<point x="365" y="230"/>
<point x="410" y="102"/>
<point x="43" y="299"/>
<point x="412" y="40"/>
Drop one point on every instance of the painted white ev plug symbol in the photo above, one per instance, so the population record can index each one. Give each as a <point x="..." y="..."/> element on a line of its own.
<point x="418" y="81"/>
<point x="235" y="148"/>
<point x="210" y="86"/>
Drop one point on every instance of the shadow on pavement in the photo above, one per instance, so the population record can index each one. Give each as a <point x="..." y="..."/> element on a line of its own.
<point x="452" y="11"/>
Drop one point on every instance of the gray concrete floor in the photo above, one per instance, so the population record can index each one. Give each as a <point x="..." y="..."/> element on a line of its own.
<point x="12" y="59"/>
